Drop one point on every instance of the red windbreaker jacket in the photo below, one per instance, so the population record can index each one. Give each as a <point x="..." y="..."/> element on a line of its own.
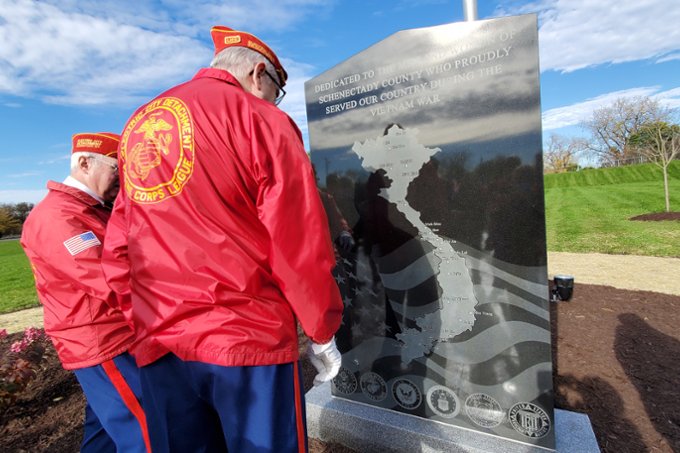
<point x="78" y="305"/>
<point x="219" y="240"/>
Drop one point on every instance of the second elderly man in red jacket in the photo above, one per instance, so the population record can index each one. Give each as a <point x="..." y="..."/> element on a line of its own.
<point x="63" y="238"/>
<point x="219" y="242"/>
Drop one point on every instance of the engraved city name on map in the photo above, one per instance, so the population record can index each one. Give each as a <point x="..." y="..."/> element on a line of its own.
<point x="401" y="157"/>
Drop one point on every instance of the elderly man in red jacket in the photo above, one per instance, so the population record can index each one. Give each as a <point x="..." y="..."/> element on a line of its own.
<point x="63" y="238"/>
<point x="217" y="244"/>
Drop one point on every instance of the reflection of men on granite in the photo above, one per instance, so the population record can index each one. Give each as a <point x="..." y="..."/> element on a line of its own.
<point x="341" y="233"/>
<point x="516" y="230"/>
<point x="342" y="188"/>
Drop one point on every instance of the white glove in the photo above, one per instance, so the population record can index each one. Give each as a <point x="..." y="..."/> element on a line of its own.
<point x="326" y="359"/>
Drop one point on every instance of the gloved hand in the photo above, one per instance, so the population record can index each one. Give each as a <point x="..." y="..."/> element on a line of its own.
<point x="346" y="241"/>
<point x="326" y="359"/>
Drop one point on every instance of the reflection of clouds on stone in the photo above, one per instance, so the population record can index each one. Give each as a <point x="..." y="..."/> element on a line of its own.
<point x="486" y="107"/>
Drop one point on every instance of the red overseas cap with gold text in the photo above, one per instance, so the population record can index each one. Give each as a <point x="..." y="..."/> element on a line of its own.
<point x="104" y="143"/>
<point x="224" y="37"/>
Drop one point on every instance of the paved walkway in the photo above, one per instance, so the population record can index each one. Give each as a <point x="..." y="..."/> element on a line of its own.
<point x="646" y="273"/>
<point x="19" y="320"/>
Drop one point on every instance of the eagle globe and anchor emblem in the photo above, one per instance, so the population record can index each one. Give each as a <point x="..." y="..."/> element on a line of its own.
<point x="147" y="155"/>
<point x="373" y="386"/>
<point x="159" y="165"/>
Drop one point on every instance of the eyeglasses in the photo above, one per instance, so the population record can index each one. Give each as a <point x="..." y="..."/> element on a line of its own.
<point x="114" y="166"/>
<point x="280" y="92"/>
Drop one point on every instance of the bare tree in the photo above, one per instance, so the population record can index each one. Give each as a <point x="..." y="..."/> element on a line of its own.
<point x="560" y="153"/>
<point x="660" y="142"/>
<point x="611" y="126"/>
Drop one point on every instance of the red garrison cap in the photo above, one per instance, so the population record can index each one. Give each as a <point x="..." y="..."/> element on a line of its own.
<point x="101" y="143"/>
<point x="224" y="37"/>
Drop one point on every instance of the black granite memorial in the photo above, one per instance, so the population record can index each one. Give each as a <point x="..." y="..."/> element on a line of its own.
<point x="427" y="149"/>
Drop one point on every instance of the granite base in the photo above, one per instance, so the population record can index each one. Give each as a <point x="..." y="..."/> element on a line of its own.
<point x="369" y="429"/>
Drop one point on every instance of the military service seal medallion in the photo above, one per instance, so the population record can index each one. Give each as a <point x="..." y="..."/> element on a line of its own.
<point x="529" y="420"/>
<point x="373" y="386"/>
<point x="406" y="394"/>
<point x="345" y="382"/>
<point x="443" y="401"/>
<point x="484" y="410"/>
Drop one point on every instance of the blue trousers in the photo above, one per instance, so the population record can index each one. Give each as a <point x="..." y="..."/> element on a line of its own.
<point x="114" y="418"/>
<point x="96" y="439"/>
<point x="199" y="407"/>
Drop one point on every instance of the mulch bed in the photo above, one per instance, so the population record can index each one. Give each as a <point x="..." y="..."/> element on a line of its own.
<point x="616" y="357"/>
<point x="657" y="216"/>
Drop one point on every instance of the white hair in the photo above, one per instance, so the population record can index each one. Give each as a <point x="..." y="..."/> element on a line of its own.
<point x="76" y="156"/>
<point x="239" y="61"/>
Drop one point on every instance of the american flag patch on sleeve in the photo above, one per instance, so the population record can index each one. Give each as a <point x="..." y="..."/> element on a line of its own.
<point x="81" y="242"/>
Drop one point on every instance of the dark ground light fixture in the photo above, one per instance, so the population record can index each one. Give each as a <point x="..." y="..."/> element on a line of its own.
<point x="563" y="288"/>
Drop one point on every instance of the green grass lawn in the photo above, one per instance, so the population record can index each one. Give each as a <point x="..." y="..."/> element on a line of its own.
<point x="595" y="219"/>
<point x="17" y="288"/>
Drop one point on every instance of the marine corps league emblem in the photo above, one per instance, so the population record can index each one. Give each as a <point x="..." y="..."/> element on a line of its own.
<point x="373" y="386"/>
<point x="484" y="410"/>
<point x="157" y="151"/>
<point x="529" y="420"/>
<point x="345" y="382"/>
<point x="406" y="394"/>
<point x="443" y="401"/>
<point x="147" y="155"/>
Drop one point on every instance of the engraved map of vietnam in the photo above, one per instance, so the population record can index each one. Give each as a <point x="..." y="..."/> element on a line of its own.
<point x="401" y="156"/>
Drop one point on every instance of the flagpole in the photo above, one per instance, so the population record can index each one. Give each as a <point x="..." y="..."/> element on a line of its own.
<point x="470" y="10"/>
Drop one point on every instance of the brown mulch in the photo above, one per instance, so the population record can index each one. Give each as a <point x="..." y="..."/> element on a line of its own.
<point x="616" y="357"/>
<point x="657" y="216"/>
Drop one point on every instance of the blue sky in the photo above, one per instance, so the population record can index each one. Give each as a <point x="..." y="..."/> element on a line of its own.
<point x="70" y="66"/>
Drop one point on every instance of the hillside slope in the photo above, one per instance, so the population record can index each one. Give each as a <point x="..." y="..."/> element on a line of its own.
<point x="607" y="176"/>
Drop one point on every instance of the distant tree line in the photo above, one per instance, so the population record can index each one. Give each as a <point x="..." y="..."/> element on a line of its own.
<point x="628" y="131"/>
<point x="12" y="217"/>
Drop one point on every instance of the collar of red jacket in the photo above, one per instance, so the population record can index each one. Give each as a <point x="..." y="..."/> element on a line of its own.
<point x="219" y="74"/>
<point x="79" y="194"/>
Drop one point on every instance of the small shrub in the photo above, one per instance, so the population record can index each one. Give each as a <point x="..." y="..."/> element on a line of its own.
<point x="19" y="364"/>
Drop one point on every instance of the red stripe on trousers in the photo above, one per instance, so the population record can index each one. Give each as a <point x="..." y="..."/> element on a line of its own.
<point x="129" y="398"/>
<point x="298" y="411"/>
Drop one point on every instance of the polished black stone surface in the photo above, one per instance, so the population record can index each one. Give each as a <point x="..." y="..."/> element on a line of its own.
<point x="427" y="148"/>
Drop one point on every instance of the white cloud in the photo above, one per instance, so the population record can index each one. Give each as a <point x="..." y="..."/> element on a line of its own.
<point x="12" y="104"/>
<point x="75" y="52"/>
<point x="54" y="159"/>
<point x="23" y="175"/>
<point x="253" y="15"/>
<point x="674" y="56"/>
<point x="195" y="18"/>
<point x="671" y="98"/>
<point x="72" y="58"/>
<point x="576" y="34"/>
<point x="20" y="196"/>
<point x="573" y="114"/>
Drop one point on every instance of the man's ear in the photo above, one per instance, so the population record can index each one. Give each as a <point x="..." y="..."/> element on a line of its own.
<point x="84" y="164"/>
<point x="258" y="74"/>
